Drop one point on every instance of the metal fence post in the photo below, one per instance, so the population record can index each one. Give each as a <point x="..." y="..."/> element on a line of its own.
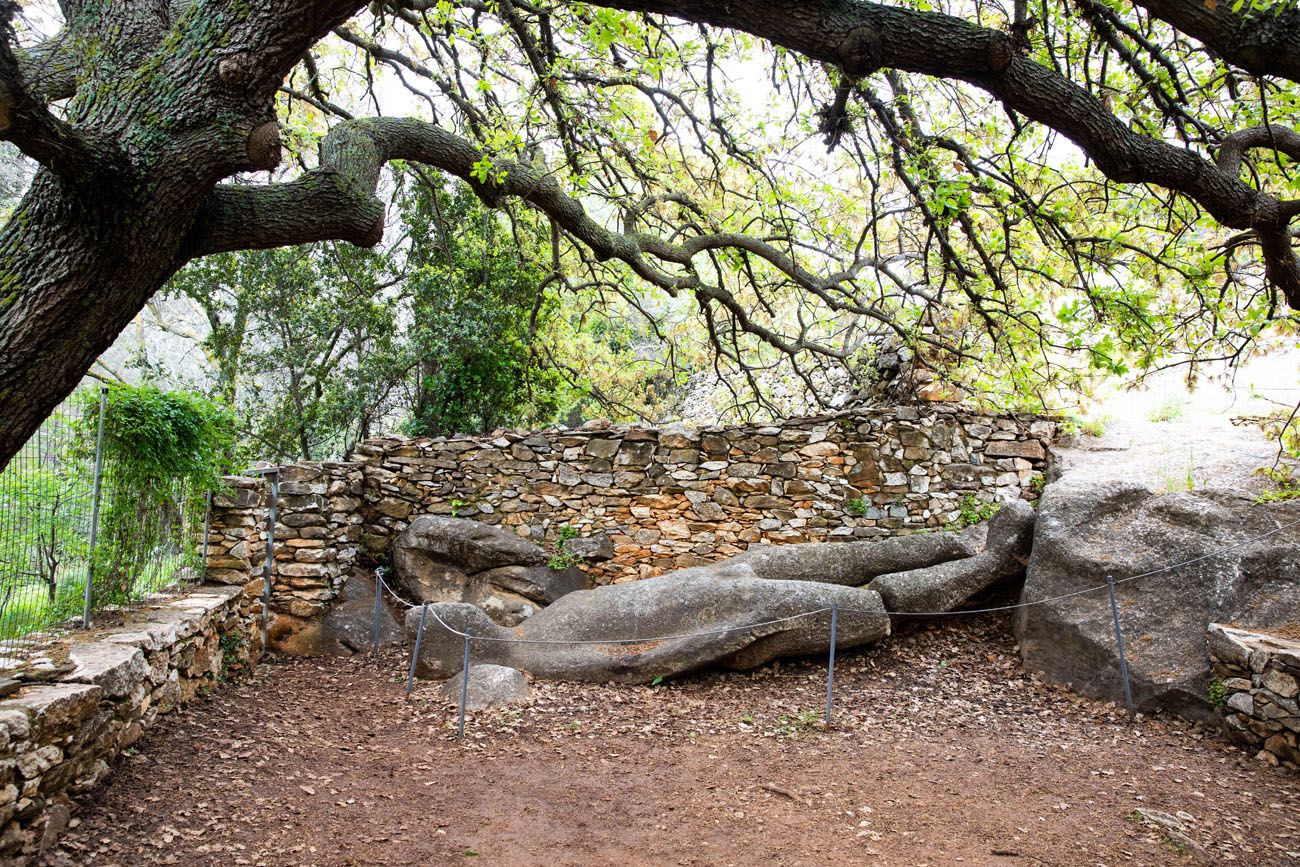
<point x="1119" y="640"/>
<point x="271" y="516"/>
<point x="830" y="668"/>
<point x="207" y="529"/>
<point x="94" y="508"/>
<point x="379" y="607"/>
<point x="464" y="688"/>
<point x="415" y="654"/>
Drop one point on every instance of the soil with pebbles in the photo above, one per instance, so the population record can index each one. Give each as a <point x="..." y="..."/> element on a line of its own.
<point x="943" y="751"/>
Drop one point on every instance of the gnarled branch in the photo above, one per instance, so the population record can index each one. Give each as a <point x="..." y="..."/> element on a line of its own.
<point x="949" y="47"/>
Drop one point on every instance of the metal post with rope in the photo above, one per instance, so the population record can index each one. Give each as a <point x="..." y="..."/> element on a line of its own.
<point x="429" y="609"/>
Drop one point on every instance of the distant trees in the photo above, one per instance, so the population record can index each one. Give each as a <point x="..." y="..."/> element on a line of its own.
<point x="1022" y="193"/>
<point x="316" y="345"/>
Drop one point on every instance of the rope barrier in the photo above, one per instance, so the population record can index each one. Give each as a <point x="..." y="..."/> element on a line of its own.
<point x="594" y="641"/>
<point x="723" y="631"/>
<point x="1087" y="590"/>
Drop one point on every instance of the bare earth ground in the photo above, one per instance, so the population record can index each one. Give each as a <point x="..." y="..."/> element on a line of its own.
<point x="944" y="752"/>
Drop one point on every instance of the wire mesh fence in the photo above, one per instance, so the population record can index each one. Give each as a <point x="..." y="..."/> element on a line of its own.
<point x="146" y="542"/>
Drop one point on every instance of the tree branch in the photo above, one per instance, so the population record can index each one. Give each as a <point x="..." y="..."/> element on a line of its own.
<point x="1276" y="138"/>
<point x="1260" y="42"/>
<point x="25" y="121"/>
<point x="337" y="200"/>
<point x="861" y="37"/>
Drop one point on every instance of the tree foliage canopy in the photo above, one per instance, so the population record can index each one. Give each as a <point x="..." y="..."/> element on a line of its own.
<point x="1022" y="193"/>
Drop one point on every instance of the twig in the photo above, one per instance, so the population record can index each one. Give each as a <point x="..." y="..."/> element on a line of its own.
<point x="785" y="793"/>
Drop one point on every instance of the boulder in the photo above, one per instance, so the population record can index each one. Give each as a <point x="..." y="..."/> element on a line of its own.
<point x="490" y="686"/>
<point x="1086" y="531"/>
<point x="347" y="628"/>
<point x="947" y="586"/>
<point x="503" y="606"/>
<point x="540" y="584"/>
<point x="684" y="621"/>
<point x="441" y="559"/>
<point x="855" y="563"/>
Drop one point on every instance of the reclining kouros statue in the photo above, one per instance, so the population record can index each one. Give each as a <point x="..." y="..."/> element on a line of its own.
<point x="767" y="602"/>
<point x="689" y="620"/>
<point x="946" y="586"/>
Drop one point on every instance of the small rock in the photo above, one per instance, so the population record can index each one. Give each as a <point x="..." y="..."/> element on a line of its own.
<point x="490" y="686"/>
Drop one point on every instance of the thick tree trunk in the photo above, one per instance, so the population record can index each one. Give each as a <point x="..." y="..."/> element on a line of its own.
<point x="76" y="268"/>
<point x="176" y="96"/>
<point x="173" y="98"/>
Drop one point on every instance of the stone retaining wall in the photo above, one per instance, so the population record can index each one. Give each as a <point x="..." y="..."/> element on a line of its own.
<point x="318" y="524"/>
<point x="664" y="498"/>
<point x="675" y="497"/>
<point x="1260" y="680"/>
<point x="60" y="731"/>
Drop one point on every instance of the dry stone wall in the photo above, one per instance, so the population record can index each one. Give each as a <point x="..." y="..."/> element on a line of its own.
<point x="318" y="524"/>
<point x="674" y="497"/>
<point x="651" y="500"/>
<point x="86" y="701"/>
<point x="1259" y="676"/>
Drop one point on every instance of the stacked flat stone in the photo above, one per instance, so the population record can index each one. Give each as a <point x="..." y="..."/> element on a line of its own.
<point x="236" y="533"/>
<point x="57" y="738"/>
<point x="319" y="520"/>
<point x="673" y="498"/>
<point x="1260" y="676"/>
<point x="318" y="524"/>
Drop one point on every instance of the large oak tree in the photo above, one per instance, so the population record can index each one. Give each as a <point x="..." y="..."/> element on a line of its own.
<point x="147" y="116"/>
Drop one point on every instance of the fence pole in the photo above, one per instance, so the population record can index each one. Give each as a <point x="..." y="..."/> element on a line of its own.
<point x="830" y="667"/>
<point x="415" y="654"/>
<point x="464" y="688"/>
<point x="1119" y="640"/>
<point x="94" y="508"/>
<point x="207" y="528"/>
<point x="271" y="516"/>
<point x="379" y="607"/>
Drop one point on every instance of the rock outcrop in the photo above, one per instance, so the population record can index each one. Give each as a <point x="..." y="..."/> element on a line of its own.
<point x="946" y="586"/>
<point x="692" y="619"/>
<point x="440" y="559"/>
<point x="1087" y="531"/>
<point x="348" y="626"/>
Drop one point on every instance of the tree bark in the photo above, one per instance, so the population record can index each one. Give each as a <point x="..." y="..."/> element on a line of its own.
<point x="178" y="96"/>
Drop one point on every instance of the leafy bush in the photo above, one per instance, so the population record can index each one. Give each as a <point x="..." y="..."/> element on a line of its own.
<point x="162" y="452"/>
<point x="563" y="558"/>
<point x="857" y="506"/>
<point x="1284" y="485"/>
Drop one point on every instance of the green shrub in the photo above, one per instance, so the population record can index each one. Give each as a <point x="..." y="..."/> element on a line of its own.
<point x="1284" y="485"/>
<point x="163" y="451"/>
<point x="1216" y="692"/>
<point x="972" y="510"/>
<point x="563" y="558"/>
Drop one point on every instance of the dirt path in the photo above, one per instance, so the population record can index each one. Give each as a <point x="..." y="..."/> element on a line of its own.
<point x="1179" y="455"/>
<point x="943" y="753"/>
